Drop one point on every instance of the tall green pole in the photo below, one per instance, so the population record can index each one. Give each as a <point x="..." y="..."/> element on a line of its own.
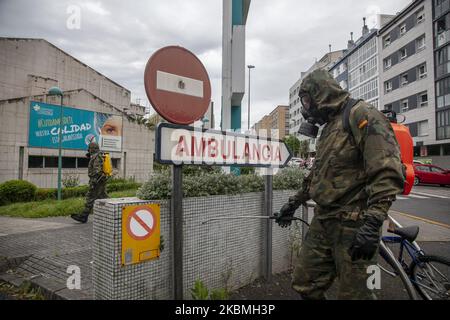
<point x="55" y="91"/>
<point x="60" y="149"/>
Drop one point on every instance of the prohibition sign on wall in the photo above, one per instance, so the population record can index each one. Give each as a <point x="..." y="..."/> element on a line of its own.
<point x="141" y="223"/>
<point x="140" y="233"/>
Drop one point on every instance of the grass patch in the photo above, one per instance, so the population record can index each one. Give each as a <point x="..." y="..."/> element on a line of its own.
<point x="24" y="292"/>
<point x="53" y="208"/>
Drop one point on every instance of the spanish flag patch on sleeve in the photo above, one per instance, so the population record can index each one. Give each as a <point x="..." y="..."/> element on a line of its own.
<point x="363" y="124"/>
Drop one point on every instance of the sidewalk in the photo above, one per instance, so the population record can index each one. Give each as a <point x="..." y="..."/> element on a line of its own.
<point x="40" y="251"/>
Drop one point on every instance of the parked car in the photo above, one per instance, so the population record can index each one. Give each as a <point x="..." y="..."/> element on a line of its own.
<point x="429" y="174"/>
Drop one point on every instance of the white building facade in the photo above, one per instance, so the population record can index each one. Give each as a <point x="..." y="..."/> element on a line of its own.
<point x="29" y="151"/>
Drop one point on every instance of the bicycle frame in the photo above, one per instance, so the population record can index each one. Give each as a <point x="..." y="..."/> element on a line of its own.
<point x="399" y="265"/>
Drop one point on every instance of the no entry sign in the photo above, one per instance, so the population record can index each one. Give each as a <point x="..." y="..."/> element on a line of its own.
<point x="186" y="145"/>
<point x="177" y="85"/>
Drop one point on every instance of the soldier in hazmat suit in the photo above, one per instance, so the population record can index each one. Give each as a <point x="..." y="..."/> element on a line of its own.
<point x="356" y="176"/>
<point x="97" y="182"/>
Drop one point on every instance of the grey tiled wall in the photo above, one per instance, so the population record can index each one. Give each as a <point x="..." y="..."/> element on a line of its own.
<point x="225" y="253"/>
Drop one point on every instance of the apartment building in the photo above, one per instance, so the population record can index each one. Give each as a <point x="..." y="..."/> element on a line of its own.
<point x="441" y="36"/>
<point x="277" y="120"/>
<point x="295" y="115"/>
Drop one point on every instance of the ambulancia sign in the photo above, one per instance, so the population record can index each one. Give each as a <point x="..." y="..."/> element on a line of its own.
<point x="187" y="145"/>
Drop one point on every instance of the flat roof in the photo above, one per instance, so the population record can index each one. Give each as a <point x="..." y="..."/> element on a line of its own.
<point x="51" y="44"/>
<point x="400" y="15"/>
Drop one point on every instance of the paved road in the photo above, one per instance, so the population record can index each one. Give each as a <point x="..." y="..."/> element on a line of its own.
<point x="427" y="202"/>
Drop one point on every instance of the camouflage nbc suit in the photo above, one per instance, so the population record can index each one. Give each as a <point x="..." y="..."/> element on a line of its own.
<point x="97" y="182"/>
<point x="357" y="174"/>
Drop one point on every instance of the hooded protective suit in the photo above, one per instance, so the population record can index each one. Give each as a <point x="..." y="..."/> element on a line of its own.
<point x="354" y="180"/>
<point x="97" y="182"/>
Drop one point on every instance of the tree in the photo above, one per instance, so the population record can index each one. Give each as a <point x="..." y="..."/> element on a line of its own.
<point x="304" y="149"/>
<point x="293" y="143"/>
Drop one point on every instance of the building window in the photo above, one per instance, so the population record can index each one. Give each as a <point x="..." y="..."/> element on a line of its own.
<point x="422" y="70"/>
<point x="335" y="72"/>
<point x="443" y="125"/>
<point x="51" y="162"/>
<point x="443" y="61"/>
<point x="387" y="63"/>
<point x="423" y="99"/>
<point x="422" y="128"/>
<point x="443" y="93"/>
<point x="115" y="163"/>
<point x="387" y="41"/>
<point x="442" y="26"/>
<point x="420" y="43"/>
<point x="35" y="162"/>
<point x="405" y="105"/>
<point x="388" y="86"/>
<point x="388" y="107"/>
<point x="420" y="16"/>
<point x="69" y="163"/>
<point x="82" y="162"/>
<point x="402" y="29"/>
<point x="403" y="54"/>
<point x="404" y="79"/>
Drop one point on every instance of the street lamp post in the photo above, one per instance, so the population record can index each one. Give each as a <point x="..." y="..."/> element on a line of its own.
<point x="205" y="121"/>
<point x="55" y="91"/>
<point x="250" y="67"/>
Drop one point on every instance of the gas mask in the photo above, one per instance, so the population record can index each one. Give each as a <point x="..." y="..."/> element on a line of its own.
<point x="312" y="115"/>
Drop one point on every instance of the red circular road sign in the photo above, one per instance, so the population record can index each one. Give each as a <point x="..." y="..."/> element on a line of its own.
<point x="177" y="85"/>
<point x="141" y="223"/>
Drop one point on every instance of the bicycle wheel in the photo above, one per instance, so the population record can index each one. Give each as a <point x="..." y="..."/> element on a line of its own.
<point x="430" y="277"/>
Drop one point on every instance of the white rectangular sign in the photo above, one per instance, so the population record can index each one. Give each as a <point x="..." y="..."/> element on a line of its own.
<point x="187" y="145"/>
<point x="179" y="84"/>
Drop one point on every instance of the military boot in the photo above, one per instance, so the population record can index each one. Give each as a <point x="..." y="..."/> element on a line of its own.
<point x="82" y="218"/>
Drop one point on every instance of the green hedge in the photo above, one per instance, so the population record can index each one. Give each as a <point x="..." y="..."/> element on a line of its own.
<point x="203" y="185"/>
<point x="22" y="191"/>
<point x="16" y="190"/>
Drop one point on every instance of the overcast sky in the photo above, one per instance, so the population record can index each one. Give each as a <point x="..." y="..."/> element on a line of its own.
<point x="116" y="37"/>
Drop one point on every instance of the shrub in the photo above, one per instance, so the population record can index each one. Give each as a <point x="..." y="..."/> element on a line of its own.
<point x="158" y="187"/>
<point x="17" y="191"/>
<point x="75" y="192"/>
<point x="70" y="180"/>
<point x="45" y="193"/>
<point x="122" y="186"/>
<point x="288" y="179"/>
<point x="210" y="184"/>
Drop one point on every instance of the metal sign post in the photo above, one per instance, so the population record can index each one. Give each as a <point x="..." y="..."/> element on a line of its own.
<point x="177" y="230"/>
<point x="268" y="206"/>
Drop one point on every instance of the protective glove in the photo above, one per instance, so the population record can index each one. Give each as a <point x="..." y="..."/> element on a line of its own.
<point x="366" y="241"/>
<point x="284" y="218"/>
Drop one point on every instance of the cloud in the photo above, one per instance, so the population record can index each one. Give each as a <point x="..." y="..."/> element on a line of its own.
<point x="117" y="37"/>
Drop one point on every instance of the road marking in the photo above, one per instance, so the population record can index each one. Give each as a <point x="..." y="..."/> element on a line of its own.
<point x="418" y="197"/>
<point x="402" y="198"/>
<point x="421" y="219"/>
<point x="430" y="195"/>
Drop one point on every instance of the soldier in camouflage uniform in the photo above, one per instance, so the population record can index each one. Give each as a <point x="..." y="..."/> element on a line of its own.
<point x="356" y="177"/>
<point x="97" y="182"/>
